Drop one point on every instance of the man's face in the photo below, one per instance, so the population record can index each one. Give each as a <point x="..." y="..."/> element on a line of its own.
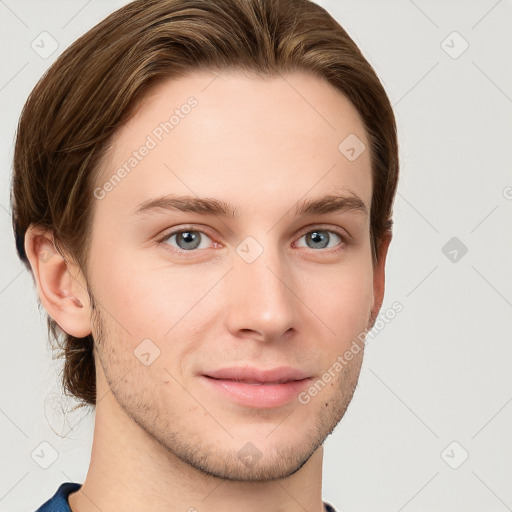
<point x="265" y="288"/>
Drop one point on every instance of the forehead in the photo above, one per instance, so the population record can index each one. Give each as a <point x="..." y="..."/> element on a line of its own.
<point x="239" y="138"/>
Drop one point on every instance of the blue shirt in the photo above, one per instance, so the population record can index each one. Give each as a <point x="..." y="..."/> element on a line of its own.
<point x="59" y="501"/>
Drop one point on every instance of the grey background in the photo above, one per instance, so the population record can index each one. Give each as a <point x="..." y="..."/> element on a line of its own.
<point x="439" y="372"/>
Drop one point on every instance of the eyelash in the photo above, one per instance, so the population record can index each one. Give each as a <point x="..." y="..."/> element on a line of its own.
<point x="343" y="237"/>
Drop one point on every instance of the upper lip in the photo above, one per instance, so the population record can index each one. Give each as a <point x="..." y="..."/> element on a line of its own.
<point x="250" y="374"/>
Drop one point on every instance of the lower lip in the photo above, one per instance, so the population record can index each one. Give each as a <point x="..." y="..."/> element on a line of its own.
<point x="258" y="395"/>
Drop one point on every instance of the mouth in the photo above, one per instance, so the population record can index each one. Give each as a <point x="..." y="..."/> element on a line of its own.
<point x="256" y="394"/>
<point x="256" y="383"/>
<point x="253" y="375"/>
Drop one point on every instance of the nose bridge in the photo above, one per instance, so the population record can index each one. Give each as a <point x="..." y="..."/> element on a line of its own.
<point x="262" y="297"/>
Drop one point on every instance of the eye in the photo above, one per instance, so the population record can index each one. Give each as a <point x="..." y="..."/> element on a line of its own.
<point x="186" y="240"/>
<point x="323" y="239"/>
<point x="189" y="240"/>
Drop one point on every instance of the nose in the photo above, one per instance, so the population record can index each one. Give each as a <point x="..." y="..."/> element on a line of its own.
<point x="262" y="303"/>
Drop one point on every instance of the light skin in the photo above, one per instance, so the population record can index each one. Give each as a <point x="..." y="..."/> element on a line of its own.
<point x="162" y="436"/>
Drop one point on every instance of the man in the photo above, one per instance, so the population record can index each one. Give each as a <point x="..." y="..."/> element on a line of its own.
<point x="203" y="192"/>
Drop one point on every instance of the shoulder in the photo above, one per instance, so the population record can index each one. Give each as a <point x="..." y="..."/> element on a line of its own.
<point x="59" y="501"/>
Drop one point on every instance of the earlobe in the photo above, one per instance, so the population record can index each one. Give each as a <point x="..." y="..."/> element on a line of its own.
<point x="379" y="273"/>
<point x="60" y="283"/>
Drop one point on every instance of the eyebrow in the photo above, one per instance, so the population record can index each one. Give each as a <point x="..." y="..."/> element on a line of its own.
<point x="208" y="206"/>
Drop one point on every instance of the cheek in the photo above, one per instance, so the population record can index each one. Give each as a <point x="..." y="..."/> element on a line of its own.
<point x="342" y="298"/>
<point x="157" y="300"/>
<point x="131" y="296"/>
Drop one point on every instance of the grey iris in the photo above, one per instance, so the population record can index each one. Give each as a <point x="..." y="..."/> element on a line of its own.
<point x="318" y="237"/>
<point x="190" y="239"/>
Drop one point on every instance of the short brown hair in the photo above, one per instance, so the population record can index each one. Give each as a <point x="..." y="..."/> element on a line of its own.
<point x="73" y="112"/>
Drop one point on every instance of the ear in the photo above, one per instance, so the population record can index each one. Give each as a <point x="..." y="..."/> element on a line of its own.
<point x="61" y="285"/>
<point x="379" y="280"/>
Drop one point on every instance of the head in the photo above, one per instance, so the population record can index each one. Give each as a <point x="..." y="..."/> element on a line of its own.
<point x="260" y="107"/>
